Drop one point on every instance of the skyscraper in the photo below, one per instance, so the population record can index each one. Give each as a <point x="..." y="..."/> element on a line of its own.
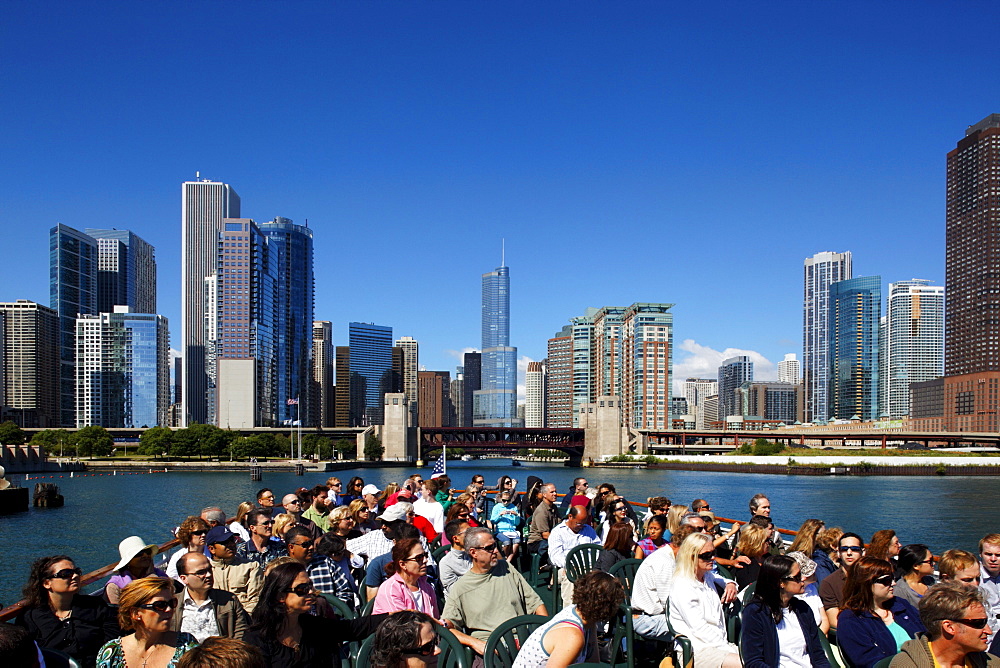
<point x="458" y="399"/>
<point x="204" y="206"/>
<point x="913" y="342"/>
<point x="495" y="403"/>
<point x="534" y="396"/>
<point x="321" y="395"/>
<point x="371" y="371"/>
<point x="29" y="349"/>
<point x="126" y="274"/>
<point x="820" y="271"/>
<point x="122" y="369"/>
<point x="696" y="391"/>
<point x="789" y="370"/>
<point x="855" y="310"/>
<point x="73" y="259"/>
<point x="342" y="390"/>
<point x="734" y="372"/>
<point x="588" y="357"/>
<point x="293" y="246"/>
<point x="411" y="364"/>
<point x="647" y="343"/>
<point x="472" y="366"/>
<point x="559" y="388"/>
<point x="434" y="395"/>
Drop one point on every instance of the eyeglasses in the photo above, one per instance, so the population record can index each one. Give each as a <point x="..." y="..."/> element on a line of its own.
<point x="426" y="649"/>
<point x="296" y="502"/>
<point x="707" y="556"/>
<point x="488" y="548"/>
<point x="66" y="574"/>
<point x="851" y="548"/>
<point x="974" y="623"/>
<point x="700" y="508"/>
<point x="305" y="546"/>
<point x="202" y="573"/>
<point x="463" y="515"/>
<point x="265" y="524"/>
<point x="338" y="485"/>
<point x="199" y="533"/>
<point x="793" y="578"/>
<point x="303" y="590"/>
<point x="420" y="558"/>
<point x="885" y="580"/>
<point x="160" y="606"/>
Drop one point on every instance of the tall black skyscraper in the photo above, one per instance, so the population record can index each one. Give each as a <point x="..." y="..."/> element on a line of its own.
<point x="473" y="363"/>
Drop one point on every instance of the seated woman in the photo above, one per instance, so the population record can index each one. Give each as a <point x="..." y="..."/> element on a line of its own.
<point x="961" y="566"/>
<point x="191" y="534"/>
<point x="826" y="554"/>
<point x="342" y="523"/>
<point x="407" y="588"/>
<point x="136" y="562"/>
<point x="752" y="544"/>
<point x="507" y="518"/>
<point x="571" y="636"/>
<point x="780" y="629"/>
<point x="674" y="516"/>
<point x="237" y="526"/>
<point x="916" y="572"/>
<point x="364" y="519"/>
<point x="873" y="623"/>
<point x="57" y="615"/>
<point x="656" y="526"/>
<point x="695" y="609"/>
<point x="617" y="512"/>
<point x="406" y="640"/>
<point x="618" y="546"/>
<point x="284" y="631"/>
<point x="885" y="545"/>
<point x="145" y="607"/>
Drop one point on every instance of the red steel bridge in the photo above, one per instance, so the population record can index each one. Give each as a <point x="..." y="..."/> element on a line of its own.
<point x="500" y="440"/>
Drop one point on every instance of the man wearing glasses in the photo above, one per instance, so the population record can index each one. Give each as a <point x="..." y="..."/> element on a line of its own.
<point x="957" y="630"/>
<point x="294" y="506"/>
<point x="262" y="548"/>
<point x="490" y="593"/>
<point x="850" y="548"/>
<point x="202" y="610"/>
<point x="231" y="573"/>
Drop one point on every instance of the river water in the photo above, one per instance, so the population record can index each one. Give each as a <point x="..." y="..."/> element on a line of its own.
<point x="943" y="512"/>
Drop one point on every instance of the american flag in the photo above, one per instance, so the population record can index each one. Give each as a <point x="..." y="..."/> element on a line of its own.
<point x="439" y="467"/>
<point x="292" y="402"/>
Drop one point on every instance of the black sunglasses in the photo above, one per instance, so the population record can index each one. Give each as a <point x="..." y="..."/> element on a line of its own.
<point x="974" y="623"/>
<point x="302" y="590"/>
<point x="851" y="548"/>
<point x="420" y="558"/>
<point x="489" y="548"/>
<point x="885" y="580"/>
<point x="160" y="606"/>
<point x="66" y="574"/>
<point x="793" y="578"/>
<point x="201" y="532"/>
<point x="426" y="649"/>
<point x="707" y="556"/>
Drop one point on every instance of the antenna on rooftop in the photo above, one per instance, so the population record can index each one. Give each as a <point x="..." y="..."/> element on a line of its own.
<point x="503" y="252"/>
<point x="197" y="175"/>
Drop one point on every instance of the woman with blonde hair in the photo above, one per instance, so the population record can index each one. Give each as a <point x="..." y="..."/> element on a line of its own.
<point x="674" y="516"/>
<point x="805" y="538"/>
<point x="752" y="544"/>
<point x="238" y="526"/>
<point x="283" y="523"/>
<point x="342" y="522"/>
<point x="695" y="608"/>
<point x="364" y="521"/>
<point x="145" y="607"/>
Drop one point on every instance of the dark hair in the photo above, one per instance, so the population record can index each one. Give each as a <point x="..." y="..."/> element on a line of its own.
<point x="619" y="538"/>
<point x="773" y="570"/>
<point x="400" y="552"/>
<point x="317" y="490"/>
<point x="455" y="509"/>
<point x="269" y="613"/>
<point x="392" y="528"/>
<point x="761" y="521"/>
<point x="453" y="528"/>
<point x="598" y="596"/>
<point x="16" y="646"/>
<point x="910" y="556"/>
<point x="294" y="532"/>
<point x="251" y="517"/>
<point x="260" y="492"/>
<point x="881" y="541"/>
<point x="332" y="545"/>
<point x="399" y="632"/>
<point x="406" y="531"/>
<point x="352" y="483"/>
<point x="35" y="594"/>
<point x="658" y="502"/>
<point x="218" y="651"/>
<point x="947" y="600"/>
<point x="657" y="519"/>
<point x="858" y="594"/>
<point x="840" y="541"/>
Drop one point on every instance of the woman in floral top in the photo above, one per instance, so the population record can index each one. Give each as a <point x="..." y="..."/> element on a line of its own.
<point x="145" y="608"/>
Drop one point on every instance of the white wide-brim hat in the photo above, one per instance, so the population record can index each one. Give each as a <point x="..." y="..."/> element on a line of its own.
<point x="132" y="546"/>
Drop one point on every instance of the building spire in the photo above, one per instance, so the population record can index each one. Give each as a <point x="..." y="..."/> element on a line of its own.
<point x="503" y="252"/>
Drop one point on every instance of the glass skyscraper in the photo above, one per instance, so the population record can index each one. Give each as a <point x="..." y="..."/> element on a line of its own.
<point x="126" y="274"/>
<point x="495" y="403"/>
<point x="732" y="374"/>
<point x="912" y="342"/>
<point x="853" y="335"/>
<point x="819" y="272"/>
<point x="293" y="246"/>
<point x="371" y="371"/>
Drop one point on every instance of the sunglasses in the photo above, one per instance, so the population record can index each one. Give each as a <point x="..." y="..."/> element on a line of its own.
<point x="974" y="623"/>
<point x="160" y="606"/>
<point x="793" y="578"/>
<point x="301" y="590"/>
<point x="885" y="580"/>
<point x="420" y="558"/>
<point x="488" y="548"/>
<point x="202" y="573"/>
<point x="851" y="548"/>
<point x="707" y="556"/>
<point x="67" y="574"/>
<point x="199" y="533"/>
<point x="426" y="649"/>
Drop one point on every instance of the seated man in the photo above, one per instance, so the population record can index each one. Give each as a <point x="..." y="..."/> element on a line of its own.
<point x="831" y="590"/>
<point x="231" y="573"/>
<point x="490" y="593"/>
<point x="202" y="610"/>
<point x="263" y="547"/>
<point x="957" y="630"/>
<point x="574" y="530"/>
<point x="652" y="588"/>
<point x="327" y="577"/>
<point x="457" y="561"/>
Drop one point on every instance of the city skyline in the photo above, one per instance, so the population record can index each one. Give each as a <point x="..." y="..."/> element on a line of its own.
<point x="510" y="149"/>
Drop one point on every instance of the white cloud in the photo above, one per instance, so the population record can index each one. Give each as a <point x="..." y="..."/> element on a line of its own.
<point x="460" y="354"/>
<point x="174" y="354"/>
<point x="704" y="362"/>
<point x="522" y="369"/>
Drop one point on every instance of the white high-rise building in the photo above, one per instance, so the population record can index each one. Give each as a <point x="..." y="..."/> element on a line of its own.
<point x="912" y="342"/>
<point x="534" y="396"/>
<point x="204" y="206"/>
<point x="411" y="365"/>
<point x="790" y="370"/>
<point x="820" y="271"/>
<point x="696" y="391"/>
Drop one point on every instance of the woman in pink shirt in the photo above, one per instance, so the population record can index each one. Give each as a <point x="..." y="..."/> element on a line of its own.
<point x="407" y="587"/>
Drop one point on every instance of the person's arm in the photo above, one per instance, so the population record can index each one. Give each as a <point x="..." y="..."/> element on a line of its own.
<point x="754" y="620"/>
<point x="111" y="593"/>
<point x="241" y="620"/>
<point x="856" y="641"/>
<point x="541" y="610"/>
<point x="563" y="642"/>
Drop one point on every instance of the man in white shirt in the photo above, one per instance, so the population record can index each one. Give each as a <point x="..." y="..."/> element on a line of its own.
<point x="428" y="507"/>
<point x="203" y="611"/>
<point x="574" y="530"/>
<point x="989" y="583"/>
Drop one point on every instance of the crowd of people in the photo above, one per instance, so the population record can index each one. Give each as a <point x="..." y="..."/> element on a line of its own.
<point x="300" y="579"/>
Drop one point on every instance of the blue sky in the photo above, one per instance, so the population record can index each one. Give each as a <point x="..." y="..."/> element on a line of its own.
<point x="690" y="153"/>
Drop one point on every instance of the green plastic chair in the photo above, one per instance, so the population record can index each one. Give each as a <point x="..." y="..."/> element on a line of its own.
<point x="831" y="656"/>
<point x="508" y="638"/>
<point x="682" y="644"/>
<point x="453" y="653"/>
<point x="581" y="559"/>
<point x="624" y="634"/>
<point x="340" y="606"/>
<point x="440" y="552"/>
<point x="367" y="610"/>
<point x="884" y="663"/>
<point x="625" y="571"/>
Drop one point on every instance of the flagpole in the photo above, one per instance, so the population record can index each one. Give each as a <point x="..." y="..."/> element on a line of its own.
<point x="298" y="414"/>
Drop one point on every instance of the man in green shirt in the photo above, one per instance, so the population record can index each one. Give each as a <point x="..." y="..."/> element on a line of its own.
<point x="320" y="507"/>
<point x="490" y="593"/>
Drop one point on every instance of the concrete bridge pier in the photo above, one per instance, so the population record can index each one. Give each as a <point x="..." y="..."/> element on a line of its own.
<point x="399" y="438"/>
<point x="601" y="422"/>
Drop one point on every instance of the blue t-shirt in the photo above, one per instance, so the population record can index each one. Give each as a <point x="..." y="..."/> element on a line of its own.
<point x="375" y="573"/>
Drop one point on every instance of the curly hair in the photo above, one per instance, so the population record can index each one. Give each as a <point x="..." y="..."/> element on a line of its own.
<point x="269" y="613"/>
<point x="398" y="633"/>
<point x="339" y="513"/>
<point x="858" y="594"/>
<point x="598" y="596"/>
<point x="828" y="539"/>
<point x="34" y="592"/>
<point x="188" y="526"/>
<point x="137" y="593"/>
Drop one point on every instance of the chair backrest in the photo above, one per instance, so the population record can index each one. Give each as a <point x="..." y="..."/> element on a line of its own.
<point x="440" y="552"/>
<point x="623" y="638"/>
<point x="340" y="606"/>
<point x="682" y="644"/>
<point x="625" y="571"/>
<point x="581" y="559"/>
<point x="364" y="654"/>
<point x="56" y="659"/>
<point x="508" y="638"/>
<point x="369" y="606"/>
<point x="831" y="656"/>
<point x="453" y="653"/>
